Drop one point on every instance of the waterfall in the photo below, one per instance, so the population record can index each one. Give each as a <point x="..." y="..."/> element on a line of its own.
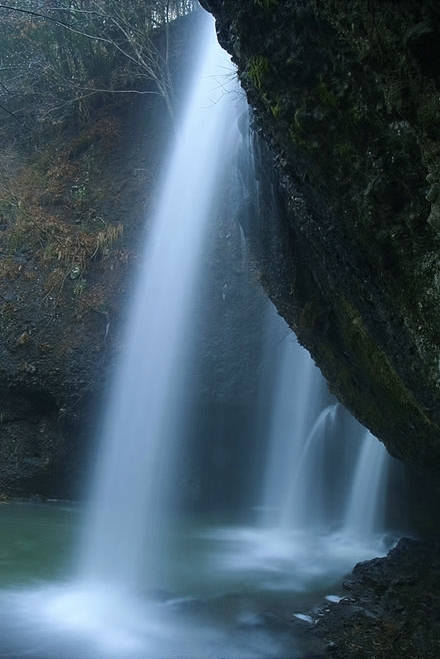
<point x="325" y="471"/>
<point x="293" y="408"/>
<point x="322" y="485"/>
<point x="120" y="601"/>
<point x="364" y="515"/>
<point x="134" y="480"/>
<point x="305" y="500"/>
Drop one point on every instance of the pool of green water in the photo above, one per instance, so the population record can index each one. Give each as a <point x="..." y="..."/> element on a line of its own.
<point x="226" y="591"/>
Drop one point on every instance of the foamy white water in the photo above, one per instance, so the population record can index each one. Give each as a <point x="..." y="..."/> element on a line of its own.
<point x="323" y="491"/>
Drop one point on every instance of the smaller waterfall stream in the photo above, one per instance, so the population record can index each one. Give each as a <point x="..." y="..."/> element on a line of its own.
<point x="291" y="421"/>
<point x="304" y="504"/>
<point x="323" y="482"/>
<point x="302" y="436"/>
<point x="364" y="515"/>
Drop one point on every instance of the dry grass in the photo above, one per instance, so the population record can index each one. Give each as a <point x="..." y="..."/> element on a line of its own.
<point x="45" y="209"/>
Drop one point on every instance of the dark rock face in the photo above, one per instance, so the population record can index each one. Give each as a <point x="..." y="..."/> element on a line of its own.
<point x="29" y="437"/>
<point x="347" y="97"/>
<point x="64" y="267"/>
<point x="391" y="607"/>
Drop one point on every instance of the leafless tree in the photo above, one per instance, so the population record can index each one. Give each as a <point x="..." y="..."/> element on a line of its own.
<point x="64" y="52"/>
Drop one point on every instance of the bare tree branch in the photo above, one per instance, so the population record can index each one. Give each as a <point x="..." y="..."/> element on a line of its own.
<point x="104" y="47"/>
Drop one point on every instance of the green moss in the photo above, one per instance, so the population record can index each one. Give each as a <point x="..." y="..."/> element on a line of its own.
<point x="375" y="363"/>
<point x="275" y="110"/>
<point x="325" y="95"/>
<point x="258" y="69"/>
<point x="266" y="4"/>
<point x="309" y="315"/>
<point x="296" y="132"/>
<point x="79" y="286"/>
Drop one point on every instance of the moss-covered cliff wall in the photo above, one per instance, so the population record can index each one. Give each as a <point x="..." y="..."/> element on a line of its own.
<point x="347" y="97"/>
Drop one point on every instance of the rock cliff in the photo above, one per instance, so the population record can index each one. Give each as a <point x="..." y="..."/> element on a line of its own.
<point x="346" y="95"/>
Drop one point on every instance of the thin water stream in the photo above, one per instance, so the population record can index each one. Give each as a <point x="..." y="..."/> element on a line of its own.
<point x="364" y="514"/>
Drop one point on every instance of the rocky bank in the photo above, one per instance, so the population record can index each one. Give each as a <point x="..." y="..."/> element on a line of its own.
<point x="390" y="607"/>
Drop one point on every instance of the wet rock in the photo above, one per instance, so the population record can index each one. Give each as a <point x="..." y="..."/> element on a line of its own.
<point x="434" y="215"/>
<point x="23" y="339"/>
<point x="394" y="607"/>
<point x="28" y="367"/>
<point x="304" y="618"/>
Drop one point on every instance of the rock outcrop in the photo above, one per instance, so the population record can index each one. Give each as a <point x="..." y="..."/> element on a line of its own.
<point x="347" y="97"/>
<point x="390" y="607"/>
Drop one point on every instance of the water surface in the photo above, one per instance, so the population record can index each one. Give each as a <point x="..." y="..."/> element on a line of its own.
<point x="230" y="591"/>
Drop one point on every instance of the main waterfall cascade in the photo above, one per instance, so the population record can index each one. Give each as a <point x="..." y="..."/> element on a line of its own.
<point x="148" y="581"/>
<point x="145" y="422"/>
